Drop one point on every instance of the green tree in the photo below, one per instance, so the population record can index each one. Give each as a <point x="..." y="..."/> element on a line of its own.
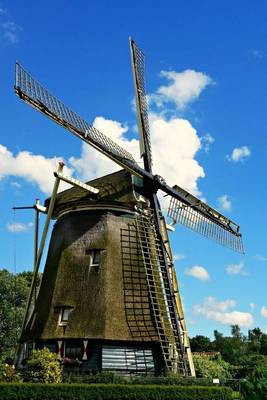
<point x="249" y="362"/>
<point x="14" y="291"/>
<point x="254" y="340"/>
<point x="201" y="343"/>
<point x="211" y="367"/>
<point x="236" y="332"/>
<point x="231" y="347"/>
<point x="255" y="388"/>
<point x="263" y="344"/>
<point x="44" y="367"/>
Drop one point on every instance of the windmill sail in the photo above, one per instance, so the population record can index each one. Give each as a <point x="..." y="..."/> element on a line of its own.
<point x="32" y="92"/>
<point x="138" y="66"/>
<point x="209" y="223"/>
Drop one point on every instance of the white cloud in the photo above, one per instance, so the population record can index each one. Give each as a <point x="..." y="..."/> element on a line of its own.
<point x="206" y="141"/>
<point x="34" y="168"/>
<point x="236" y="269"/>
<point x="15" y="184"/>
<point x="261" y="258"/>
<point x="173" y="158"/>
<point x="183" y="88"/>
<point x="175" y="143"/>
<point x="93" y="164"/>
<point x="178" y="257"/>
<point x="212" y="309"/>
<point x="257" y="54"/>
<point x="224" y="203"/>
<point x="198" y="272"/>
<point x="264" y="312"/>
<point x="11" y="31"/>
<point x="19" y="227"/>
<point x="239" y="154"/>
<point x="252" y="306"/>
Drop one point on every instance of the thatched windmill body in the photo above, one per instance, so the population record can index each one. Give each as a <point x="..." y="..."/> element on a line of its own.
<point x="109" y="297"/>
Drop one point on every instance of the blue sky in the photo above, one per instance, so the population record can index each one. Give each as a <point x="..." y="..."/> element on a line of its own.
<point x="208" y="117"/>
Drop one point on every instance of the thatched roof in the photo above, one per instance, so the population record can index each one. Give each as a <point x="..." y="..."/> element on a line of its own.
<point x="109" y="303"/>
<point x="115" y="188"/>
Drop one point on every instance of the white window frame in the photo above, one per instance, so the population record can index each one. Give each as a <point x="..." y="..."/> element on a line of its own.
<point x="62" y="320"/>
<point x="92" y="254"/>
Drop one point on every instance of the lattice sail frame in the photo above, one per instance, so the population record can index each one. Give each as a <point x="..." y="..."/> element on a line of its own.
<point x="30" y="90"/>
<point x="138" y="66"/>
<point x="203" y="224"/>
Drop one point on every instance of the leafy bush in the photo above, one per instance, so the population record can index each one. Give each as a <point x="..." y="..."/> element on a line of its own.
<point x="43" y="367"/>
<point x="111" y="392"/>
<point x="211" y="367"/>
<point x="8" y="373"/>
<point x="255" y="388"/>
<point x="249" y="363"/>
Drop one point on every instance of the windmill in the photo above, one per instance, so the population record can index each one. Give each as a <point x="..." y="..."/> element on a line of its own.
<point x="124" y="312"/>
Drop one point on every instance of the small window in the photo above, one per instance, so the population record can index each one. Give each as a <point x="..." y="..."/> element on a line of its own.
<point x="64" y="316"/>
<point x="94" y="257"/>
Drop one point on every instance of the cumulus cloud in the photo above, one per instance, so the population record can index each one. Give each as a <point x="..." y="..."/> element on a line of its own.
<point x="215" y="310"/>
<point x="15" y="184"/>
<point x="252" y="306"/>
<point x="182" y="89"/>
<point x="261" y="258"/>
<point x="257" y="54"/>
<point x="175" y="143"/>
<point x="239" y="154"/>
<point x="11" y="31"/>
<point x="173" y="158"/>
<point x="224" y="203"/>
<point x="264" y="312"/>
<point x="34" y="168"/>
<point x="19" y="227"/>
<point x="206" y="142"/>
<point x="178" y="257"/>
<point x="93" y="164"/>
<point x="198" y="272"/>
<point x="236" y="269"/>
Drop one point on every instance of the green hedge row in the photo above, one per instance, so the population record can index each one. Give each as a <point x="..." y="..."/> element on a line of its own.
<point x="37" y="391"/>
<point x="111" y="377"/>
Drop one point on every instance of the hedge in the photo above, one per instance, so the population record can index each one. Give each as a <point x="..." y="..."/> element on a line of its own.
<point x="111" y="377"/>
<point x="38" y="391"/>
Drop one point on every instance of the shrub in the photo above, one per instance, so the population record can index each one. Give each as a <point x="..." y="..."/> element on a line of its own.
<point x="212" y="367"/>
<point x="43" y="367"/>
<point x="111" y="392"/>
<point x="8" y="372"/>
<point x="255" y="388"/>
<point x="2" y="368"/>
<point x="111" y="377"/>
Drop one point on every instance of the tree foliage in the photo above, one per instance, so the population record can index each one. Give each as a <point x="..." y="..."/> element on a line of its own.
<point x="201" y="343"/>
<point x="44" y="367"/>
<point x="14" y="291"/>
<point x="255" y="388"/>
<point x="211" y="367"/>
<point x="243" y="353"/>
